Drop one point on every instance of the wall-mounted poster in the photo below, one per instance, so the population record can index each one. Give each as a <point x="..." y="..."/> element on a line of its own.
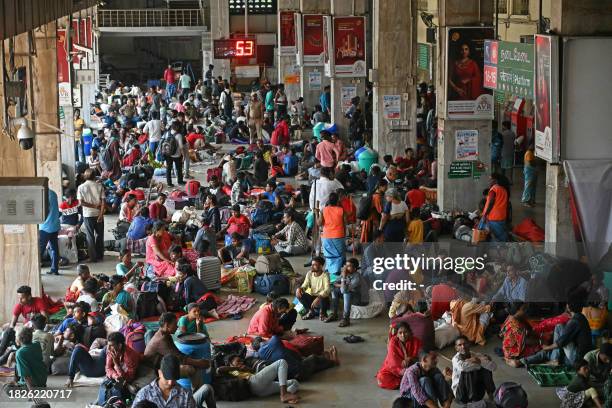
<point x="312" y="39"/>
<point x="466" y="145"/>
<point x="347" y="93"/>
<point x="287" y="32"/>
<point x="349" y="46"/>
<point x="546" y="132"/>
<point x="328" y="46"/>
<point x="466" y="97"/>
<point x="392" y="107"/>
<point x="314" y="81"/>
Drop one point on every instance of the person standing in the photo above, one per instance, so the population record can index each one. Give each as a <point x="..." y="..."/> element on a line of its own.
<point x="280" y="102"/>
<point x="226" y="102"/>
<point x="170" y="85"/>
<point x="185" y="82"/>
<point x="91" y="196"/>
<point x="507" y="153"/>
<point x="173" y="154"/>
<point x="531" y="177"/>
<point x="153" y="128"/>
<point x="496" y="210"/>
<point x="325" y="102"/>
<point x="333" y="238"/>
<point x="208" y="77"/>
<point x="48" y="233"/>
<point x="269" y="98"/>
<point x="79" y="148"/>
<point x="255" y="114"/>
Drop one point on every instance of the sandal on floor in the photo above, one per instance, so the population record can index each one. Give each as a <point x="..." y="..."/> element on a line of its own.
<point x="353" y="339"/>
<point x="331" y="318"/>
<point x="308" y="316"/>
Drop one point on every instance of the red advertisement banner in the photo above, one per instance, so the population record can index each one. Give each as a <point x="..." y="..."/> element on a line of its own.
<point x="287" y="31"/>
<point x="349" y="46"/>
<point x="62" y="62"/>
<point x="312" y="38"/>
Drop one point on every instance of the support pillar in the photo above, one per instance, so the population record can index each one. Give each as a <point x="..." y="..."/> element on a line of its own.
<point x="287" y="63"/>
<point x="345" y="8"/>
<point x="459" y="193"/>
<point x="219" y="29"/>
<point x="568" y="19"/>
<point x="394" y="63"/>
<point x="311" y="98"/>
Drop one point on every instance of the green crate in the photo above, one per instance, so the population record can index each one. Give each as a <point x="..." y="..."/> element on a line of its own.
<point x="551" y="376"/>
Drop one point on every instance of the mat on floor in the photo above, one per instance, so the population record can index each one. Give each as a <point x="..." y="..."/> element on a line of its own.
<point x="551" y="376"/>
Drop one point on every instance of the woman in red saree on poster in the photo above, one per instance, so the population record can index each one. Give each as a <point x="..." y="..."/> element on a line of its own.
<point x="542" y="84"/>
<point x="466" y="77"/>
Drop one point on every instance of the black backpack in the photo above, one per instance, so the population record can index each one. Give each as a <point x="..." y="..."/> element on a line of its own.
<point x="169" y="145"/>
<point x="364" y="207"/>
<point x="231" y="388"/>
<point x="510" y="395"/>
<point x="146" y="305"/>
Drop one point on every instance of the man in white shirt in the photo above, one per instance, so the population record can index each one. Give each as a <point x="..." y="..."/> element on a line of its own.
<point x="153" y="128"/>
<point x="91" y="196"/>
<point x="324" y="187"/>
<point x="185" y="83"/>
<point x="472" y="376"/>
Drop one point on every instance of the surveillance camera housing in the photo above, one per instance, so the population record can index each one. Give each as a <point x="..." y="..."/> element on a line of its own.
<point x="25" y="136"/>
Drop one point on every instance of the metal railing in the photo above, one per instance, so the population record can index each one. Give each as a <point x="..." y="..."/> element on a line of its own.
<point x="151" y="18"/>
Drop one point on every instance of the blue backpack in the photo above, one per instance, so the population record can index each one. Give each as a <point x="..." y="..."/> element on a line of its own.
<point x="265" y="284"/>
<point x="290" y="165"/>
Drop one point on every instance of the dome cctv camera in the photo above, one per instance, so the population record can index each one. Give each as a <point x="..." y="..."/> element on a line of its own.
<point x="25" y="135"/>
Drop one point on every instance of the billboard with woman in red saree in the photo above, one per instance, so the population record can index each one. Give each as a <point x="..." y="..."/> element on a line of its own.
<point x="466" y="97"/>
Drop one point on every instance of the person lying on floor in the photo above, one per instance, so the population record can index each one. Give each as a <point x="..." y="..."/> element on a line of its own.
<point x="472" y="374"/>
<point x="291" y="240"/>
<point x="192" y="322"/>
<point x="263" y="383"/>
<point x="314" y="294"/>
<point x="425" y="384"/>
<point x="300" y="368"/>
<point x="402" y="352"/>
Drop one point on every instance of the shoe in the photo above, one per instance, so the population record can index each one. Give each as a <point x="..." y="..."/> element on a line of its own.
<point x="308" y="316"/>
<point x="344" y="323"/>
<point x="331" y="318"/>
<point x="171" y="185"/>
<point x="51" y="273"/>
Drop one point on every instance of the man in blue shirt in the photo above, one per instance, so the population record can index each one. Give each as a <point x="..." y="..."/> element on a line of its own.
<point x="140" y="224"/>
<point x="514" y="287"/>
<point x="48" y="233"/>
<point x="325" y="101"/>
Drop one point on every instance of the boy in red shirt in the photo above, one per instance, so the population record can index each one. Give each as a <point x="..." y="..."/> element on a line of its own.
<point x="238" y="223"/>
<point x="27" y="305"/>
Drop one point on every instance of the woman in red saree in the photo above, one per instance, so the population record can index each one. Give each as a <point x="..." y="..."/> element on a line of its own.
<point x="466" y="78"/>
<point x="519" y="338"/>
<point x="402" y="352"/>
<point x="157" y="251"/>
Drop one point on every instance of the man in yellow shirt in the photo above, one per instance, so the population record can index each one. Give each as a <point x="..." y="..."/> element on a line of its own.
<point x="315" y="291"/>
<point x="78" y="124"/>
<point x="415" y="227"/>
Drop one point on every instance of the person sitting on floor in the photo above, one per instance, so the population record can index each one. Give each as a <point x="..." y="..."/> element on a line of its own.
<point x="268" y="381"/>
<point x="78" y="317"/>
<point x="120" y="367"/>
<point x="570" y="341"/>
<point x="315" y="292"/>
<point x="519" y="340"/>
<point x="83" y="274"/>
<point x="291" y="240"/>
<point x="236" y="252"/>
<point x="88" y="294"/>
<point x="118" y="295"/>
<point x="140" y="226"/>
<point x="286" y="319"/>
<point x="299" y="367"/>
<point x="189" y="287"/>
<point x="164" y="392"/>
<point x="420" y="323"/>
<point x="471" y="319"/>
<point x="63" y="347"/>
<point x="90" y="363"/>
<point x="162" y="344"/>
<point x="350" y="287"/>
<point x="600" y="365"/>
<point x="580" y="392"/>
<point x="514" y="287"/>
<point x="30" y="366"/>
<point x="192" y="322"/>
<point x="425" y="384"/>
<point x="237" y="223"/>
<point x="40" y="336"/>
<point x="472" y="374"/>
<point x="402" y="351"/>
<point x="265" y="322"/>
<point x="126" y="267"/>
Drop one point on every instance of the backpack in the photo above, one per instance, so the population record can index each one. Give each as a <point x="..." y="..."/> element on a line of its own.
<point x="134" y="333"/>
<point x="146" y="305"/>
<point x="363" y="209"/>
<point x="192" y="188"/>
<point x="263" y="213"/>
<point x="215" y="171"/>
<point x="510" y="395"/>
<point x="231" y="388"/>
<point x="106" y="159"/>
<point x="290" y="165"/>
<point x="264" y="284"/>
<point x="266" y="264"/>
<point x="263" y="244"/>
<point x="169" y="145"/>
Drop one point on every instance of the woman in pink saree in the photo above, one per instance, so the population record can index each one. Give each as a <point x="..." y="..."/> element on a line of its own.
<point x="466" y="77"/>
<point x="157" y="252"/>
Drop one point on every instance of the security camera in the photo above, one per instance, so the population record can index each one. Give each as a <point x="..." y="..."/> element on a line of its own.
<point x="25" y="135"/>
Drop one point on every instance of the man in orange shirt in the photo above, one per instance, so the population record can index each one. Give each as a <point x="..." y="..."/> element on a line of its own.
<point x="496" y="211"/>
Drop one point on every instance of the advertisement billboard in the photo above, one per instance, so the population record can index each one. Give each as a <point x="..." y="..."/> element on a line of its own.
<point x="349" y="46"/>
<point x="546" y="97"/>
<point x="287" y="32"/>
<point x="467" y="98"/>
<point x="328" y="46"/>
<point x="312" y="39"/>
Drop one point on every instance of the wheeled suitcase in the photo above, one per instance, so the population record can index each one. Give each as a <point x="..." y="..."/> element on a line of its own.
<point x="209" y="272"/>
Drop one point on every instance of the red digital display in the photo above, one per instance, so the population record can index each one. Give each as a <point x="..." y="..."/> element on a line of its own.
<point x="234" y="48"/>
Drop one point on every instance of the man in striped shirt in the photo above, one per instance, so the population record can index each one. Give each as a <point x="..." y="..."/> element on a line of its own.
<point x="425" y="384"/>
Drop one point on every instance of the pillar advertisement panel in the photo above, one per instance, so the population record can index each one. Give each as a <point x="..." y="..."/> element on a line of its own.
<point x="312" y="40"/>
<point x="467" y="98"/>
<point x="328" y="46"/>
<point x="349" y="46"/>
<point x="546" y="91"/>
<point x="287" y="33"/>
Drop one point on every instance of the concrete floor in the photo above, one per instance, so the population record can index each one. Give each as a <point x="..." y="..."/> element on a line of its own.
<point x="353" y="383"/>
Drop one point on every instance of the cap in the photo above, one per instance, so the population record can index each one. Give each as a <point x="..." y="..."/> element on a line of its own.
<point x="170" y="367"/>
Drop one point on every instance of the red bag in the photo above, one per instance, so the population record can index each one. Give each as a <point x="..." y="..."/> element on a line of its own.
<point x="529" y="230"/>
<point x="306" y="345"/>
<point x="192" y="188"/>
<point x="215" y="171"/>
<point x="177" y="195"/>
<point x="227" y="190"/>
<point x="70" y="296"/>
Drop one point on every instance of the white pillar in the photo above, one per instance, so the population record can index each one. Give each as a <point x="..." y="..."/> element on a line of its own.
<point x="219" y="29"/>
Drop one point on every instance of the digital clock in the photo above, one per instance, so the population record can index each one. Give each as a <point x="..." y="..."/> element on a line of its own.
<point x="235" y="48"/>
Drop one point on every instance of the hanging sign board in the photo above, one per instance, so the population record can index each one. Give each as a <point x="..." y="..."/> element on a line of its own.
<point x="508" y="67"/>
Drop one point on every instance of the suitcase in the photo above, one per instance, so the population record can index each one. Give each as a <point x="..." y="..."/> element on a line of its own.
<point x="209" y="272"/>
<point x="192" y="188"/>
<point x="68" y="248"/>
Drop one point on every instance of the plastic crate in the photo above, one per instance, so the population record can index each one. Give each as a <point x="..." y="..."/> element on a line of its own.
<point x="551" y="376"/>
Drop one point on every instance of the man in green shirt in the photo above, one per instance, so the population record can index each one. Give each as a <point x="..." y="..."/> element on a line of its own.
<point x="599" y="365"/>
<point x="30" y="366"/>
